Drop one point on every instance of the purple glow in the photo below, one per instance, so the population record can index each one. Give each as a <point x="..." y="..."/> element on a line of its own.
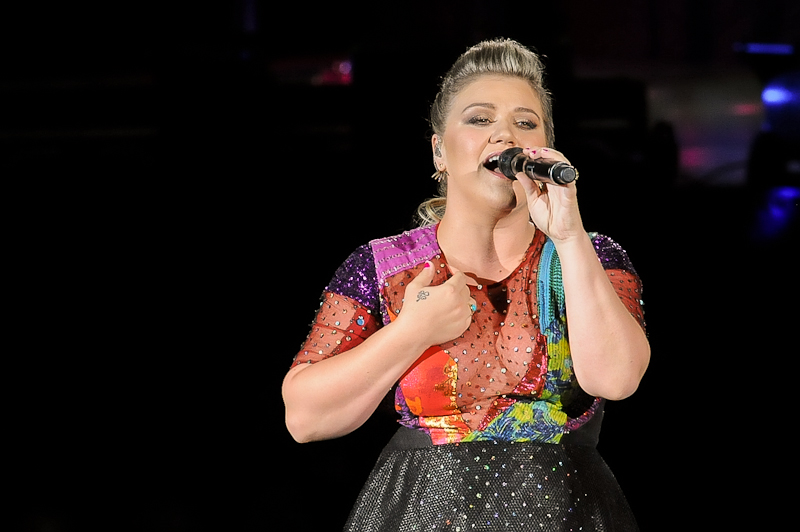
<point x="778" y="212"/>
<point x="314" y="70"/>
<point x="345" y="68"/>
<point x="339" y="72"/>
<point x="784" y="198"/>
<point x="781" y="97"/>
<point x="768" y="48"/>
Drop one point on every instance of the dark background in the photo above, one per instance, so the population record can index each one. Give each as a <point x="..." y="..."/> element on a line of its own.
<point x="182" y="182"/>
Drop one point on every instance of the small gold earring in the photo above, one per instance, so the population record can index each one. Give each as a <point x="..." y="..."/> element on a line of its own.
<point x="439" y="175"/>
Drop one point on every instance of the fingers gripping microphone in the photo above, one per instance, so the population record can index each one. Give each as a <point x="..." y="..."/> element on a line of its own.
<point x="512" y="161"/>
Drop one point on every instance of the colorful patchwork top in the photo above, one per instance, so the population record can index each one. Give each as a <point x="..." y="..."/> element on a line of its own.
<point x="509" y="377"/>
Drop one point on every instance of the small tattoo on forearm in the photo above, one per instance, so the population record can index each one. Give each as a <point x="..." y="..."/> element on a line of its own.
<point x="423" y="295"/>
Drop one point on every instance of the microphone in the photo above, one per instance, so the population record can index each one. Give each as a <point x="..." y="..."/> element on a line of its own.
<point x="512" y="161"/>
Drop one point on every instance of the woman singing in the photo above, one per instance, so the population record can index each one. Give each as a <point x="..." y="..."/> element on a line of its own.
<point x="494" y="322"/>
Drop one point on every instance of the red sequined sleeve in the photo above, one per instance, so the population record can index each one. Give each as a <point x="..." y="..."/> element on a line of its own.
<point x="622" y="275"/>
<point x="629" y="289"/>
<point x="349" y="312"/>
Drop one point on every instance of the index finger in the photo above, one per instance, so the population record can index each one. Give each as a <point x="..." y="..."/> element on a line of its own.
<point x="538" y="152"/>
<point x="458" y="273"/>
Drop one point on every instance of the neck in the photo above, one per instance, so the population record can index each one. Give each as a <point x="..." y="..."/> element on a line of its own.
<point x="485" y="249"/>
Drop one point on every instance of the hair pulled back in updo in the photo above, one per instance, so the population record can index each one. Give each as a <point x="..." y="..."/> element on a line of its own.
<point x="496" y="57"/>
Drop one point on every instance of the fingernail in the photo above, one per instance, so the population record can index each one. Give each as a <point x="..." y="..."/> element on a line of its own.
<point x="428" y="264"/>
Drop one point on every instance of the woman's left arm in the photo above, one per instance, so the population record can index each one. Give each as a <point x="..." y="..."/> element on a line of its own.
<point x="610" y="351"/>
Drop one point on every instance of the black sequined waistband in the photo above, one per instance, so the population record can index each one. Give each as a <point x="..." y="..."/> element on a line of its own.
<point x="406" y="438"/>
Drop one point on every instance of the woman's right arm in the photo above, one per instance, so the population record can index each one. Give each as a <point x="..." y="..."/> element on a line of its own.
<point x="335" y="396"/>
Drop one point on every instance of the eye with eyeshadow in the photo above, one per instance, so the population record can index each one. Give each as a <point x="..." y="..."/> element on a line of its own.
<point x="479" y="120"/>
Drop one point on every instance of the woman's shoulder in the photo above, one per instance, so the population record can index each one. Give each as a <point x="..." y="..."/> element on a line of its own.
<point x="612" y="255"/>
<point x="368" y="266"/>
<point x="403" y="251"/>
<point x="415" y="241"/>
<point x="355" y="278"/>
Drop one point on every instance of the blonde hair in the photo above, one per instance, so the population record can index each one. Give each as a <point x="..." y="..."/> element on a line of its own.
<point x="499" y="57"/>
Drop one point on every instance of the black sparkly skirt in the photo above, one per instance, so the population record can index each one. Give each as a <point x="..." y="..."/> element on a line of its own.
<point x="489" y="486"/>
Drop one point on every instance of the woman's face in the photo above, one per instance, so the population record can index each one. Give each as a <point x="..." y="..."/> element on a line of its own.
<point x="489" y="115"/>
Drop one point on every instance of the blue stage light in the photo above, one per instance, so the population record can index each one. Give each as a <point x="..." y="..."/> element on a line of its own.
<point x="781" y="98"/>
<point x="766" y="48"/>
<point x="776" y="95"/>
<point x="778" y="212"/>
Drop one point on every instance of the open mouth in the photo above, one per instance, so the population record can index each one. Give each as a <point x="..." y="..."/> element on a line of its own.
<point x="493" y="163"/>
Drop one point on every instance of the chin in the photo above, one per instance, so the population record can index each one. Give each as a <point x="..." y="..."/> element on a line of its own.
<point x="506" y="200"/>
<point x="501" y="195"/>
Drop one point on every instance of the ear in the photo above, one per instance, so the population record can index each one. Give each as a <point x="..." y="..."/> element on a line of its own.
<point x="438" y="153"/>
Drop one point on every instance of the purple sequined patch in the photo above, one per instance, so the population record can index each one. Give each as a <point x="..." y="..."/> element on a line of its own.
<point x="611" y="254"/>
<point x="401" y="252"/>
<point x="356" y="279"/>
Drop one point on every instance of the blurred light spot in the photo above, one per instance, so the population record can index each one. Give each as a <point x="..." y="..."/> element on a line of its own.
<point x="314" y="70"/>
<point x="746" y="109"/>
<point x="338" y="73"/>
<point x="695" y="157"/>
<point x="781" y="97"/>
<point x="778" y="212"/>
<point x="776" y="95"/>
<point x="764" y="48"/>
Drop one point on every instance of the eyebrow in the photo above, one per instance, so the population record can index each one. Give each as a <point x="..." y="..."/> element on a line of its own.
<point x="494" y="107"/>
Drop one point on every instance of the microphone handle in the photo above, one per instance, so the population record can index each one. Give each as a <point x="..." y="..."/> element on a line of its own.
<point x="547" y="171"/>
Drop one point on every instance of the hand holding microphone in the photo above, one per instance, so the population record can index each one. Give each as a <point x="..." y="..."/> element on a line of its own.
<point x="553" y="208"/>
<point x="512" y="161"/>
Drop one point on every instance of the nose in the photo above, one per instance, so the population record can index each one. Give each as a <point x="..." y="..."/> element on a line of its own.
<point x="503" y="134"/>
